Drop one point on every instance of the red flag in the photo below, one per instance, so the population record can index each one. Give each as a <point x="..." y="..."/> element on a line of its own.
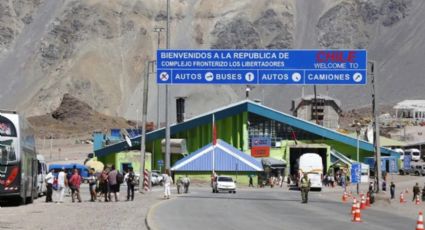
<point x="214" y="130"/>
<point x="294" y="137"/>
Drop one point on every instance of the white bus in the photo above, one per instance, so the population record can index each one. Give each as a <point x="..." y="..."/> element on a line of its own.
<point x="18" y="160"/>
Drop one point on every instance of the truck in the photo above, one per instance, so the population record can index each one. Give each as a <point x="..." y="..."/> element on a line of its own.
<point x="312" y="165"/>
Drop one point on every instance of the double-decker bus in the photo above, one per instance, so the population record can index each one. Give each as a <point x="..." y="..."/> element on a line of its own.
<point x="18" y="158"/>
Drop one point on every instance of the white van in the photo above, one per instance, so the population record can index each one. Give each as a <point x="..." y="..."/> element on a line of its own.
<point x="41" y="174"/>
<point x="311" y="164"/>
<point x="415" y="153"/>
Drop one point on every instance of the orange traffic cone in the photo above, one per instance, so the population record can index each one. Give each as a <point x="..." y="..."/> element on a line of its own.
<point x="402" y="198"/>
<point x="354" y="207"/>
<point x="417" y="202"/>
<point x="368" y="200"/>
<point x="357" y="215"/>
<point x="344" y="197"/>
<point x="420" y="222"/>
<point x="363" y="202"/>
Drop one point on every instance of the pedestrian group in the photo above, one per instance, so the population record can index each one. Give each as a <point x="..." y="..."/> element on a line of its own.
<point x="104" y="185"/>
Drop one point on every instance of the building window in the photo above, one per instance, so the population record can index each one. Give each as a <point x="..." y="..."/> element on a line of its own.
<point x="277" y="131"/>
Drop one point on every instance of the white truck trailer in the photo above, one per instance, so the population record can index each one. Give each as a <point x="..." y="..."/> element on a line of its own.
<point x="312" y="165"/>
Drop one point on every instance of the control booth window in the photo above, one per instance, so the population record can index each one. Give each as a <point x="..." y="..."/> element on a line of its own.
<point x="259" y="126"/>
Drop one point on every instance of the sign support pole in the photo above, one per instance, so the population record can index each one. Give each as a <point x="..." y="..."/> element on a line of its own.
<point x="167" y="122"/>
<point x="375" y="110"/>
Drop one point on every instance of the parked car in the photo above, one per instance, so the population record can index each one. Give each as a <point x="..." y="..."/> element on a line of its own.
<point x="406" y="171"/>
<point x="156" y="178"/>
<point x="224" y="183"/>
<point x="418" y="169"/>
<point x="82" y="169"/>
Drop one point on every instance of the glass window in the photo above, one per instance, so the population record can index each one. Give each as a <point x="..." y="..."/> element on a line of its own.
<point x="225" y="179"/>
<point x="7" y="152"/>
<point x="277" y="131"/>
<point x="6" y="127"/>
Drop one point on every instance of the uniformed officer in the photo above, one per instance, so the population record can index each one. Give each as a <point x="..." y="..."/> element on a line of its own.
<point x="305" y="188"/>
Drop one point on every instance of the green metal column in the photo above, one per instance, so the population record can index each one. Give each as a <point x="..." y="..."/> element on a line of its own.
<point x="245" y="135"/>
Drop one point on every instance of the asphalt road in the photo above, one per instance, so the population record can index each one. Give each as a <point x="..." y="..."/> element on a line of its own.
<point x="266" y="209"/>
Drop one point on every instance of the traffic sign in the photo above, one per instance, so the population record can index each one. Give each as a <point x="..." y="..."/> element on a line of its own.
<point x="261" y="141"/>
<point x="355" y="173"/>
<point x="265" y="67"/>
<point x="160" y="162"/>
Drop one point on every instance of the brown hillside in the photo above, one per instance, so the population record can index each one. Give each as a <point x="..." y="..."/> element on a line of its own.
<point x="74" y="117"/>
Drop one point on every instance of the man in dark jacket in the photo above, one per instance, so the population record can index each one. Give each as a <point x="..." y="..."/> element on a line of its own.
<point x="416" y="191"/>
<point x="392" y="189"/>
<point x="131" y="182"/>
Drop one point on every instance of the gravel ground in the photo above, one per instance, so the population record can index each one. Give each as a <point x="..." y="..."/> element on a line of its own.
<point x="85" y="215"/>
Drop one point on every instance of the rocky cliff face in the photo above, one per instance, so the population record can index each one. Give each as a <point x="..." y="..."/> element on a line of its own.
<point x="97" y="50"/>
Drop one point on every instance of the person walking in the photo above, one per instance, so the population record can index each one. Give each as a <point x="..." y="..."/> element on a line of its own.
<point x="130" y="178"/>
<point x="416" y="191"/>
<point x="392" y="189"/>
<point x="62" y="183"/>
<point x="75" y="182"/>
<point x="92" y="185"/>
<point x="251" y="184"/>
<point x="103" y="184"/>
<point x="305" y="188"/>
<point x="49" y="185"/>
<point x="167" y="185"/>
<point x="186" y="183"/>
<point x="384" y="185"/>
<point x="120" y="180"/>
<point x="112" y="180"/>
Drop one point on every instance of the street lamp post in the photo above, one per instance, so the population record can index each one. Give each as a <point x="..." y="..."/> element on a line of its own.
<point x="158" y="30"/>
<point x="149" y="68"/>
<point x="376" y="140"/>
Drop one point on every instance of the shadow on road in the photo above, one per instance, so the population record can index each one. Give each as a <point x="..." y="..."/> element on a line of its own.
<point x="255" y="199"/>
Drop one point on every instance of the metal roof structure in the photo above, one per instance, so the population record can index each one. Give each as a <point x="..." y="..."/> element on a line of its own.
<point x="417" y="105"/>
<point x="251" y="107"/>
<point x="226" y="159"/>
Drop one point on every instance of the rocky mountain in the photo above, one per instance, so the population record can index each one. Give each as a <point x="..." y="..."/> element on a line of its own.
<point x="97" y="50"/>
<point x="74" y="117"/>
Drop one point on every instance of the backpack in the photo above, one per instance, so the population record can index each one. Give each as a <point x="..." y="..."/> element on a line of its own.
<point x="55" y="184"/>
<point x="120" y="178"/>
<point x="131" y="180"/>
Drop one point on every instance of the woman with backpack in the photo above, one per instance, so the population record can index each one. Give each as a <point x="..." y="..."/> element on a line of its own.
<point x="130" y="178"/>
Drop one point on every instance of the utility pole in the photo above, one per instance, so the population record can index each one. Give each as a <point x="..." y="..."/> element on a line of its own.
<point x="148" y="66"/>
<point x="375" y="110"/>
<point x="167" y="123"/>
<point x="158" y="30"/>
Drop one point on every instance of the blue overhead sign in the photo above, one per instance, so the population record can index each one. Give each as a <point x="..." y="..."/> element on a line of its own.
<point x="355" y="173"/>
<point x="266" y="67"/>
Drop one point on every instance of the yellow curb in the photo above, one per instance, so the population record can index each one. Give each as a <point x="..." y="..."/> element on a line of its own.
<point x="148" y="220"/>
